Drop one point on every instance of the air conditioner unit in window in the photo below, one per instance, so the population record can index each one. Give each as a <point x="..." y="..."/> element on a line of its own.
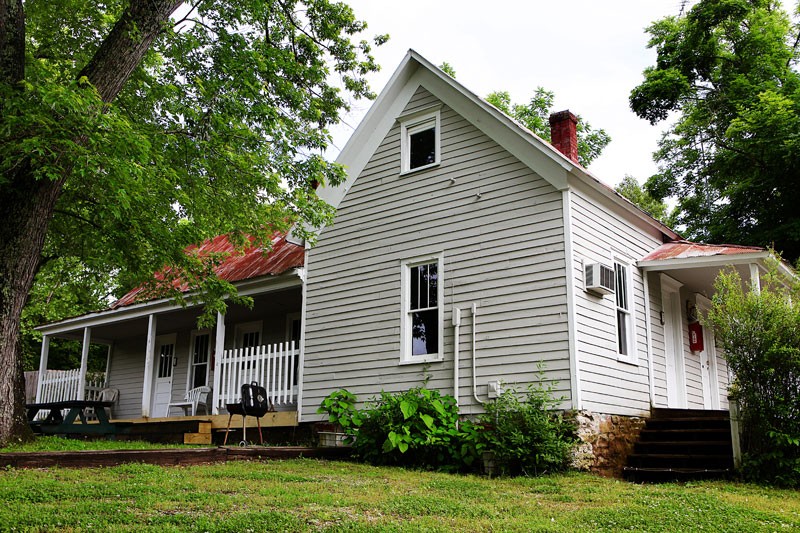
<point x="598" y="278"/>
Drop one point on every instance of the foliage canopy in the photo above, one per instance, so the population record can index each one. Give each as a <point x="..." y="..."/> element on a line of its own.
<point x="728" y="70"/>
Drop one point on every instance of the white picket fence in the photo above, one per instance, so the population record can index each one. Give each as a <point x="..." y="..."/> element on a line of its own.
<point x="272" y="367"/>
<point x="62" y="385"/>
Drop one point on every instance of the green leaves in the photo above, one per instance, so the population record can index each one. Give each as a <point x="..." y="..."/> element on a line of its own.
<point x="759" y="332"/>
<point x="535" y="116"/>
<point x="728" y="71"/>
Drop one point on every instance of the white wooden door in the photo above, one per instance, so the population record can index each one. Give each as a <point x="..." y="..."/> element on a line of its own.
<point x="673" y="342"/>
<point x="708" y="361"/>
<point x="162" y="375"/>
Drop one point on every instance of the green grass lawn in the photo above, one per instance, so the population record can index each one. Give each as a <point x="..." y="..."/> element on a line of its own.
<point x="60" y="444"/>
<point x="311" y="495"/>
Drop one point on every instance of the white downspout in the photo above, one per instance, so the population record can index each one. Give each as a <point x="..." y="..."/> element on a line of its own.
<point x="456" y="334"/>
<point x="474" y="354"/>
<point x="648" y="336"/>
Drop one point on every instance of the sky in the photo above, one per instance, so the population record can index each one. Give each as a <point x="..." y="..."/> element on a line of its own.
<point x="589" y="53"/>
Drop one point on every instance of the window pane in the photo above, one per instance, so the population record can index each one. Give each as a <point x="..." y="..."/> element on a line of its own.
<point x="423" y="286"/>
<point x="414" y="300"/>
<point x="425" y="332"/>
<point x="622" y="286"/>
<point x="165" y="360"/>
<point x="199" y="379"/>
<point x="250" y="340"/>
<point x="422" y="148"/>
<point x="200" y="349"/>
<point x="622" y="332"/>
<point x="433" y="279"/>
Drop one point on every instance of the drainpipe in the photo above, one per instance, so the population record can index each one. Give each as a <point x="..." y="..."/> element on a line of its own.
<point x="456" y="334"/>
<point x="474" y="354"/>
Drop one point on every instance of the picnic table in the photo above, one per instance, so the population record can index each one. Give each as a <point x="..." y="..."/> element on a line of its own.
<point x="56" y="423"/>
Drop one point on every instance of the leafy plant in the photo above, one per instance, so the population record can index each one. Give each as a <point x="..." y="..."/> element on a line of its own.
<point x="340" y="406"/>
<point x="528" y="436"/>
<point x="759" y="331"/>
<point x="418" y="428"/>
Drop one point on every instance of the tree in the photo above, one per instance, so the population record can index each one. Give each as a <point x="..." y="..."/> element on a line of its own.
<point x="728" y="68"/>
<point x="630" y="189"/>
<point x="535" y="116"/>
<point x="128" y="135"/>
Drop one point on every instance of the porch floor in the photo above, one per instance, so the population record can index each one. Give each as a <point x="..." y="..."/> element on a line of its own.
<point x="276" y="419"/>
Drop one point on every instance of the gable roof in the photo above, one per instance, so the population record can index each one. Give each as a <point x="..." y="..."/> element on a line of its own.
<point x="253" y="263"/>
<point x="539" y="155"/>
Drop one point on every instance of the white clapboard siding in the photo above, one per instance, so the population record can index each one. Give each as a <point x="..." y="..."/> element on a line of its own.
<point x="599" y="235"/>
<point x="500" y="228"/>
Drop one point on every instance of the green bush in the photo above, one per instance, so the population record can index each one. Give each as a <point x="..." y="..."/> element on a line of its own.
<point x="416" y="428"/>
<point x="340" y="406"/>
<point x="528" y="436"/>
<point x="760" y="334"/>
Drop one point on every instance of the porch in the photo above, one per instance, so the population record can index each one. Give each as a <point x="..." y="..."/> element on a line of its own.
<point x="157" y="355"/>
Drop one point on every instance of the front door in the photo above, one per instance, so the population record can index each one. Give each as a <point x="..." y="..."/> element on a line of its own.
<point x="673" y="342"/>
<point x="708" y="360"/>
<point x="162" y="377"/>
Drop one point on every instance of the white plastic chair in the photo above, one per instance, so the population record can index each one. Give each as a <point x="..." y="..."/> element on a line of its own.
<point x="193" y="399"/>
<point x="108" y="394"/>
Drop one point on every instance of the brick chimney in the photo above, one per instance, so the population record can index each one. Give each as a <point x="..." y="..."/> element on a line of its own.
<point x="564" y="133"/>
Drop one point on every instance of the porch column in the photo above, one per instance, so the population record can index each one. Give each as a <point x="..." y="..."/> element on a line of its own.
<point x="219" y="347"/>
<point x="149" y="356"/>
<point x="755" y="277"/>
<point x="42" y="366"/>
<point x="87" y="337"/>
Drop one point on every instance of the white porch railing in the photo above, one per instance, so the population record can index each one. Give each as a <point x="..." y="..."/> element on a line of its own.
<point x="62" y="385"/>
<point x="273" y="367"/>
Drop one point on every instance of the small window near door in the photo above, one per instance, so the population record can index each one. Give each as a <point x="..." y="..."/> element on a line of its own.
<point x="165" y="358"/>
<point x="624" y="313"/>
<point x="200" y="351"/>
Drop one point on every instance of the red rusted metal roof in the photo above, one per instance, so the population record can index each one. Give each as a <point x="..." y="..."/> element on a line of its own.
<point x="253" y="263"/>
<point x="686" y="250"/>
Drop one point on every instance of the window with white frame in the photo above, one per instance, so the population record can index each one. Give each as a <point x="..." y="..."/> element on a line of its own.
<point x="420" y="141"/>
<point x="624" y="312"/>
<point x="422" y="320"/>
<point x="248" y="335"/>
<point x="200" y="350"/>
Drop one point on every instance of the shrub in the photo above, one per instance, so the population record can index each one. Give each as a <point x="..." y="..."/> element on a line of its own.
<point x="528" y="436"/>
<point x="760" y="334"/>
<point x="340" y="406"/>
<point x="418" y="428"/>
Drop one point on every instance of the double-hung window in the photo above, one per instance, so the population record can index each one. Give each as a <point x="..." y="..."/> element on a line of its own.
<point x="201" y="342"/>
<point x="420" y="141"/>
<point x="626" y="348"/>
<point x="423" y="316"/>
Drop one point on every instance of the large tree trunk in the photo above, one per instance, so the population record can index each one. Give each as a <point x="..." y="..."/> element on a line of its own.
<point x="27" y="204"/>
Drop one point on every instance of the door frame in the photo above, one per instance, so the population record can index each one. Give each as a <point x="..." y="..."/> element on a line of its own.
<point x="673" y="342"/>
<point x="161" y="340"/>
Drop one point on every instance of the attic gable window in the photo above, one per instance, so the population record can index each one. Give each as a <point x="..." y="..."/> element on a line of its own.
<point x="420" y="141"/>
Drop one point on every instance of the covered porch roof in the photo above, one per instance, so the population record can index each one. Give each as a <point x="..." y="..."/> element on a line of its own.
<point x="696" y="265"/>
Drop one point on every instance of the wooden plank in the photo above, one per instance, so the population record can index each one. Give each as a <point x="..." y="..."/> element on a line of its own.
<point x="197" y="438"/>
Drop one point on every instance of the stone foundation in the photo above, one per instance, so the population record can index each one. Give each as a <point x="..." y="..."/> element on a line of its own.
<point x="606" y="442"/>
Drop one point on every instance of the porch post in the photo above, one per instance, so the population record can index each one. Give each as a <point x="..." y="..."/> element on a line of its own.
<point x="149" y="355"/>
<point x="219" y="348"/>
<point x="87" y="337"/>
<point x="755" y="277"/>
<point x="42" y="366"/>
